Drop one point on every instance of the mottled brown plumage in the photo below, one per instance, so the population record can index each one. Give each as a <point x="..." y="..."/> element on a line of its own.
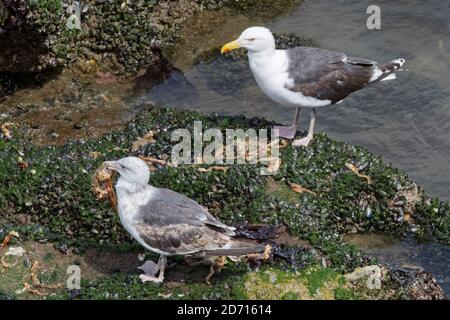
<point x="169" y="223"/>
<point x="175" y="224"/>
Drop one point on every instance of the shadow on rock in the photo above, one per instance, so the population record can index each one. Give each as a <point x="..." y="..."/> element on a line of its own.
<point x="162" y="83"/>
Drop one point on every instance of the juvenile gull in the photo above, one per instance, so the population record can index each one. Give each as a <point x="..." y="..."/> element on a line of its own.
<point x="168" y="223"/>
<point x="305" y="76"/>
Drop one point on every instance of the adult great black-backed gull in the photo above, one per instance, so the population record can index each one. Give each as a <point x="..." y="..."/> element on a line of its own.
<point x="169" y="223"/>
<point x="305" y="76"/>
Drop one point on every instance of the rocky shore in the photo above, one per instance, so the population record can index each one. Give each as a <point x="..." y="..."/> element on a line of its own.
<point x="51" y="219"/>
<point x="126" y="36"/>
<point x="319" y="194"/>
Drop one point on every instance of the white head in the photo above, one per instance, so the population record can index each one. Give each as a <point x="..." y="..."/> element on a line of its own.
<point x="254" y="39"/>
<point x="131" y="169"/>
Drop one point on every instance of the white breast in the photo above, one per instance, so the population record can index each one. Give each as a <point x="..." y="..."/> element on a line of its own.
<point x="128" y="203"/>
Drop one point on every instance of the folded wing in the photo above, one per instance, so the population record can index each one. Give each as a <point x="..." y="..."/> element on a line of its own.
<point x="175" y="224"/>
<point x="327" y="75"/>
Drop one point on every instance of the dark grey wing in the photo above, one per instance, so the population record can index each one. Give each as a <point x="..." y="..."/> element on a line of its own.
<point x="327" y="75"/>
<point x="307" y="64"/>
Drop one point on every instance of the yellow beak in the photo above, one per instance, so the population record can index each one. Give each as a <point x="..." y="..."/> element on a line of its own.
<point x="230" y="46"/>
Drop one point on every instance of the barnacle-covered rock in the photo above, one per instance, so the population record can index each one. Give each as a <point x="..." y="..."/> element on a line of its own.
<point x="54" y="188"/>
<point x="51" y="197"/>
<point x="417" y="285"/>
<point x="133" y="33"/>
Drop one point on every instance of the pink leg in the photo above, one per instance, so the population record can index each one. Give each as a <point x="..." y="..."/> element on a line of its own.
<point x="151" y="271"/>
<point x="289" y="131"/>
<point x="306" y="140"/>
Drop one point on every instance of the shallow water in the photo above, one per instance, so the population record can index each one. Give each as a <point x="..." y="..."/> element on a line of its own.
<point x="408" y="255"/>
<point x="405" y="121"/>
<point x="70" y="105"/>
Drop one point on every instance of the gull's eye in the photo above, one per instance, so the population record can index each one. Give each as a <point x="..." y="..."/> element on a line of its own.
<point x="251" y="39"/>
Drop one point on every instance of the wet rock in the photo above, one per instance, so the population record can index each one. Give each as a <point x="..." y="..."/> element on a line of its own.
<point x="373" y="274"/>
<point x="62" y="248"/>
<point x="84" y="123"/>
<point x="160" y="78"/>
<point x="13" y="13"/>
<point x="88" y="66"/>
<point x="38" y="40"/>
<point x="76" y="293"/>
<point x="26" y="262"/>
<point x="54" y="135"/>
<point x="4" y="14"/>
<point x="60" y="191"/>
<point x="26" y="49"/>
<point x="259" y="232"/>
<point x="263" y="9"/>
<point x="418" y="285"/>
<point x="312" y="283"/>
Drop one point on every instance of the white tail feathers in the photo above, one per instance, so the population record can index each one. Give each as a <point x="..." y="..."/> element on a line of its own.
<point x="399" y="61"/>
<point x="389" y="77"/>
<point x="387" y="71"/>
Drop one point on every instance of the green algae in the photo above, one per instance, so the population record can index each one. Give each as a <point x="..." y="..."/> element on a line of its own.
<point x="311" y="283"/>
<point x="54" y="195"/>
<point x="316" y="278"/>
<point x="234" y="282"/>
<point x="283" y="192"/>
<point x="345" y="294"/>
<point x="55" y="189"/>
<point x="225" y="285"/>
